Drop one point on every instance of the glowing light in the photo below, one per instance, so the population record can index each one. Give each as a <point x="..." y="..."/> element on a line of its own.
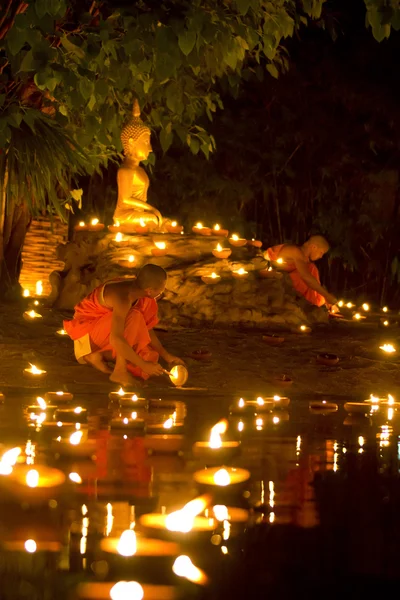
<point x="357" y="316"/>
<point x="390" y="400"/>
<point x="216" y="227"/>
<point x="224" y="550"/>
<point x="385" y="309"/>
<point x="169" y="423"/>
<point x="183" y="567"/>
<point x="174" y="223"/>
<point x="241" y="403"/>
<point x="120" y="392"/>
<point x="260" y="401"/>
<point x="259" y="424"/>
<point x="214" y="276"/>
<point x="216" y="432"/>
<point x="10" y="457"/>
<point x="222" y="478"/>
<point x="142" y="223"/>
<point x="78" y="410"/>
<point x="303" y="327"/>
<point x="26" y="293"/>
<point x="131" y="258"/>
<point x="81" y="224"/>
<point x="349" y="305"/>
<point x="127" y="590"/>
<point x="199" y="225"/>
<point x="390" y="414"/>
<point x="160" y="245"/>
<point x="221" y="512"/>
<point x="361" y="440"/>
<point x="235" y="237"/>
<point x="41" y="402"/>
<point x="279" y="261"/>
<point x="127" y="545"/>
<point x="119" y="237"/>
<point x="75" y="477"/>
<point x="241" y="271"/>
<point x="30" y="546"/>
<point x="75" y="438"/>
<point x="34" y="370"/>
<point x="240" y="426"/>
<point x="385" y="323"/>
<point x="32" y="478"/>
<point x="340" y="303"/>
<point x="39" y="288"/>
<point x="61" y="332"/>
<point x="33" y="315"/>
<point x="94" y="222"/>
<point x="389" y="348"/>
<point x="219" y="248"/>
<point x="365" y="307"/>
<point x="275" y="420"/>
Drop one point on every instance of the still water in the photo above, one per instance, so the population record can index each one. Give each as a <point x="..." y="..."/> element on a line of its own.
<point x="319" y="512"/>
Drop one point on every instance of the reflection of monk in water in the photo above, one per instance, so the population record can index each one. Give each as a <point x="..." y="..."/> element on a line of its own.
<point x="299" y="262"/>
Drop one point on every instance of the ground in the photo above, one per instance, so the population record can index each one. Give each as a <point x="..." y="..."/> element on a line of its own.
<point x="241" y="363"/>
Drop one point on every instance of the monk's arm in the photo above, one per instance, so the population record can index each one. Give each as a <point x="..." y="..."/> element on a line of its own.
<point x="117" y="338"/>
<point x="302" y="269"/>
<point x="157" y="345"/>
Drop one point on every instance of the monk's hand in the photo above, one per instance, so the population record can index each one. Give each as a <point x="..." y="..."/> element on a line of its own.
<point x="330" y="300"/>
<point x="152" y="368"/>
<point x="334" y="309"/>
<point x="174" y="360"/>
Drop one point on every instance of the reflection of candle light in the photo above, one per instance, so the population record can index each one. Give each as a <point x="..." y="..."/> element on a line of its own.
<point x="183" y="567"/>
<point x="81" y="224"/>
<point x="259" y="424"/>
<point x="127" y="545"/>
<point x="118" y="237"/>
<point x="241" y="403"/>
<point x="75" y="438"/>
<point x="34" y="370"/>
<point x="31" y="314"/>
<point x="30" y="546"/>
<point x="160" y="245"/>
<point x="75" y="477"/>
<point x="26" y="294"/>
<point x="169" y="423"/>
<point x="240" y="426"/>
<point x="385" y="323"/>
<point x="127" y="590"/>
<point x="385" y="309"/>
<point x="39" y="288"/>
<point x="389" y="348"/>
<point x="216" y="432"/>
<point x="41" y="402"/>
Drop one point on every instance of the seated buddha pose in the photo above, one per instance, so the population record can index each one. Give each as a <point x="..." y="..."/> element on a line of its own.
<point x="299" y="262"/>
<point x="132" y="208"/>
<point x="116" y="321"/>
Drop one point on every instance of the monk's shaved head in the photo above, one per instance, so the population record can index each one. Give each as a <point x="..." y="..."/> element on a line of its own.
<point x="151" y="276"/>
<point x="319" y="241"/>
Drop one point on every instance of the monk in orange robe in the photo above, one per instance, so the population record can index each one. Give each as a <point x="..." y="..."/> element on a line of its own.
<point x="299" y="263"/>
<point x="116" y="321"/>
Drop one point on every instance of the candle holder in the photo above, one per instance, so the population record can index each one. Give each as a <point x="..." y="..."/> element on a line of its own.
<point x="220" y="252"/>
<point x="141" y="227"/>
<point x="211" y="279"/>
<point x="221" y="477"/>
<point x="273" y="339"/>
<point x="322" y="407"/>
<point x="201" y="354"/>
<point x="133" y="402"/>
<point x="236" y="241"/>
<point x="164" y="443"/>
<point x="115" y="228"/>
<point x="119" y="394"/>
<point x="240" y="273"/>
<point x="34" y="373"/>
<point x="279" y="401"/>
<point x="71" y="415"/>
<point x="95" y="225"/>
<point x="254" y="243"/>
<point x="329" y="360"/>
<point x="128" y="263"/>
<point x="205" y="450"/>
<point x="31" y="315"/>
<point x="168" y="407"/>
<point x="60" y="397"/>
<point x="282" y="380"/>
<point x="200" y="230"/>
<point x="173" y="227"/>
<point x="216" y="230"/>
<point x="168" y="426"/>
<point x="81" y="226"/>
<point x="127" y="425"/>
<point x="357" y="407"/>
<point x="160" y="249"/>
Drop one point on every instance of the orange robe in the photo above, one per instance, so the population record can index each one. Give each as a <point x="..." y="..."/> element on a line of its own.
<point x="92" y="319"/>
<point x="298" y="283"/>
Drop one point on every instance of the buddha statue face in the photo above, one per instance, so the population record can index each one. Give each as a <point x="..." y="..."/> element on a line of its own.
<point x="139" y="149"/>
<point x="135" y="136"/>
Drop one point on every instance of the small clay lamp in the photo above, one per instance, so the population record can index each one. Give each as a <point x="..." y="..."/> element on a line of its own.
<point x="254" y="243"/>
<point x="200" y="230"/>
<point x="115" y="227"/>
<point x="240" y="273"/>
<point x="160" y="249"/>
<point x="34" y="373"/>
<point x="250" y="406"/>
<point x="119" y="394"/>
<point x="142" y="227"/>
<point x="127" y="425"/>
<point x="273" y="339"/>
<point x="173" y="227"/>
<point x="95" y="225"/>
<point x="329" y="360"/>
<point x="59" y="397"/>
<point x="211" y="279"/>
<point x="220" y="252"/>
<point x="164" y="443"/>
<point x="322" y="407"/>
<point x="357" y="407"/>
<point x="81" y="226"/>
<point x="215" y="448"/>
<point x="201" y="354"/>
<point x="71" y="415"/>
<point x="31" y="315"/>
<point x="128" y="263"/>
<point x="132" y="402"/>
<point x="279" y="401"/>
<point x="61" y="332"/>
<point x="267" y="273"/>
<point x="282" y="380"/>
<point x="236" y="241"/>
<point x="221" y="477"/>
<point x="216" y="230"/>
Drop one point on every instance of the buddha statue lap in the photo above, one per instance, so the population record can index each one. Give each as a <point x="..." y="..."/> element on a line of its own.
<point x="132" y="208"/>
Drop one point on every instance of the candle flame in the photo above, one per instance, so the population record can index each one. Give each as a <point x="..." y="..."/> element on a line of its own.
<point x="75" y="438"/>
<point x="199" y="225"/>
<point x="349" y="305"/>
<point x="222" y="478"/>
<point x="160" y="245"/>
<point x="386" y="323"/>
<point x="127" y="545"/>
<point x="390" y="399"/>
<point x="389" y="348"/>
<point x="365" y="307"/>
<point x="32" y="478"/>
<point x="385" y="309"/>
<point x="134" y="415"/>
<point x="357" y="316"/>
<point x="277" y="398"/>
<point x="235" y="237"/>
<point x="120" y="392"/>
<point x="340" y="303"/>
<point x="75" y="477"/>
<point x="41" y="402"/>
<point x="303" y="327"/>
<point x="260" y="401"/>
<point x="240" y="426"/>
<point x="183" y="567"/>
<point x="214" y="276"/>
<point x="8" y="460"/>
<point x="241" y="271"/>
<point x="94" y="221"/>
<point x="117" y="224"/>
<point x="33" y="315"/>
<point x="26" y="293"/>
<point x="259" y="423"/>
<point x="142" y="223"/>
<point x="216" y="432"/>
<point x="241" y="403"/>
<point x="279" y="261"/>
<point x="81" y="223"/>
<point x="124" y="590"/>
<point x="374" y="399"/>
<point x="34" y="370"/>
<point x="131" y="258"/>
<point x="219" y="248"/>
<point x="62" y="332"/>
<point x="183" y="520"/>
<point x="169" y="423"/>
<point x="78" y="410"/>
<point x="216" y="227"/>
<point x="39" y="288"/>
<point x="275" y="420"/>
<point x="119" y="237"/>
<point x="174" y="224"/>
<point x="30" y="546"/>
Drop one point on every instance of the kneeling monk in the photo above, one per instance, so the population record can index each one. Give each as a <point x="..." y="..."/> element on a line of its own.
<point x="299" y="262"/>
<point x="116" y="321"/>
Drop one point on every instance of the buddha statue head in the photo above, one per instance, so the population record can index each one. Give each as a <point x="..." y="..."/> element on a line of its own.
<point x="135" y="136"/>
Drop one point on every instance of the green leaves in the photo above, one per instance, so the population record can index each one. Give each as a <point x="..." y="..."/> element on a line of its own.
<point x="243" y="6"/>
<point x="86" y="88"/>
<point x="186" y="41"/>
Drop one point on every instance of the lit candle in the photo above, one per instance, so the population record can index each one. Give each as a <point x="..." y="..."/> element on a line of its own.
<point x="235" y="240"/>
<point x="118" y="237"/>
<point x="349" y="305"/>
<point x="322" y="406"/>
<point x="221" y="477"/>
<point x="26" y="293"/>
<point x="305" y="329"/>
<point x="60" y="397"/>
<point x="385" y="309"/>
<point x="61" y="332"/>
<point x="40" y="476"/>
<point x="127" y="425"/>
<point x="365" y="307"/>
<point x="41" y="407"/>
<point x="130" y="401"/>
<point x="358" y="317"/>
<point x="132" y="544"/>
<point x="81" y="226"/>
<point x="240" y="273"/>
<point x="385" y="323"/>
<point x="33" y="371"/>
<point x="340" y="303"/>
<point x="160" y="249"/>
<point x="255" y="243"/>
<point x="31" y="315"/>
<point x="183" y="567"/>
<point x="71" y="415"/>
<point x="199" y="229"/>
<point x="215" y="447"/>
<point x="114" y="228"/>
<point x="95" y="225"/>
<point x="142" y="226"/>
<point x="213" y="278"/>
<point x="388" y="348"/>
<point x="39" y="288"/>
<point x="220" y="252"/>
<point x="173" y="227"/>
<point x="179" y="525"/>
<point x="119" y="394"/>
<point x="216" y="230"/>
<point x="127" y="263"/>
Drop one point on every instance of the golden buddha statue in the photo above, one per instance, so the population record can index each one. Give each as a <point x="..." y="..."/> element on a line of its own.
<point x="132" y="208"/>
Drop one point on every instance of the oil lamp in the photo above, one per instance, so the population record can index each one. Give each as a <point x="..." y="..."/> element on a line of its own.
<point x="255" y="243"/>
<point x="221" y="477"/>
<point x="236" y="241"/>
<point x="115" y="227"/>
<point x="34" y="372"/>
<point x="216" y="448"/>
<point x="31" y="315"/>
<point x="273" y="339"/>
<point x="160" y="249"/>
<point x="61" y="332"/>
<point x="127" y="263"/>
<point x="388" y="348"/>
<point x="95" y="225"/>
<point x="40" y="476"/>
<point x="240" y="273"/>
<point x="132" y="402"/>
<point x="59" y="397"/>
<point x="173" y="227"/>
<point x="81" y="226"/>
<point x="304" y="329"/>
<point x="220" y="252"/>
<point x="132" y="544"/>
<point x="142" y="227"/>
<point x="71" y="415"/>
<point x="127" y="424"/>
<point x="199" y="229"/>
<point x="322" y="407"/>
<point x="365" y="307"/>
<point x="210" y="279"/>
<point x="216" y="230"/>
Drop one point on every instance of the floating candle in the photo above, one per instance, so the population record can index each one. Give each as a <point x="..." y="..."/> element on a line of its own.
<point x="388" y="348"/>
<point x="209" y="279"/>
<point x="236" y="241"/>
<point x="240" y="273"/>
<point x="132" y="401"/>
<point x="39" y="477"/>
<point x="30" y="315"/>
<point x="199" y="229"/>
<point x="221" y="477"/>
<point x="33" y="371"/>
<point x="216" y="230"/>
<point x="215" y="446"/>
<point x="160" y="249"/>
<point x="173" y="227"/>
<point x="322" y="407"/>
<point x="220" y="252"/>
<point x="119" y="394"/>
